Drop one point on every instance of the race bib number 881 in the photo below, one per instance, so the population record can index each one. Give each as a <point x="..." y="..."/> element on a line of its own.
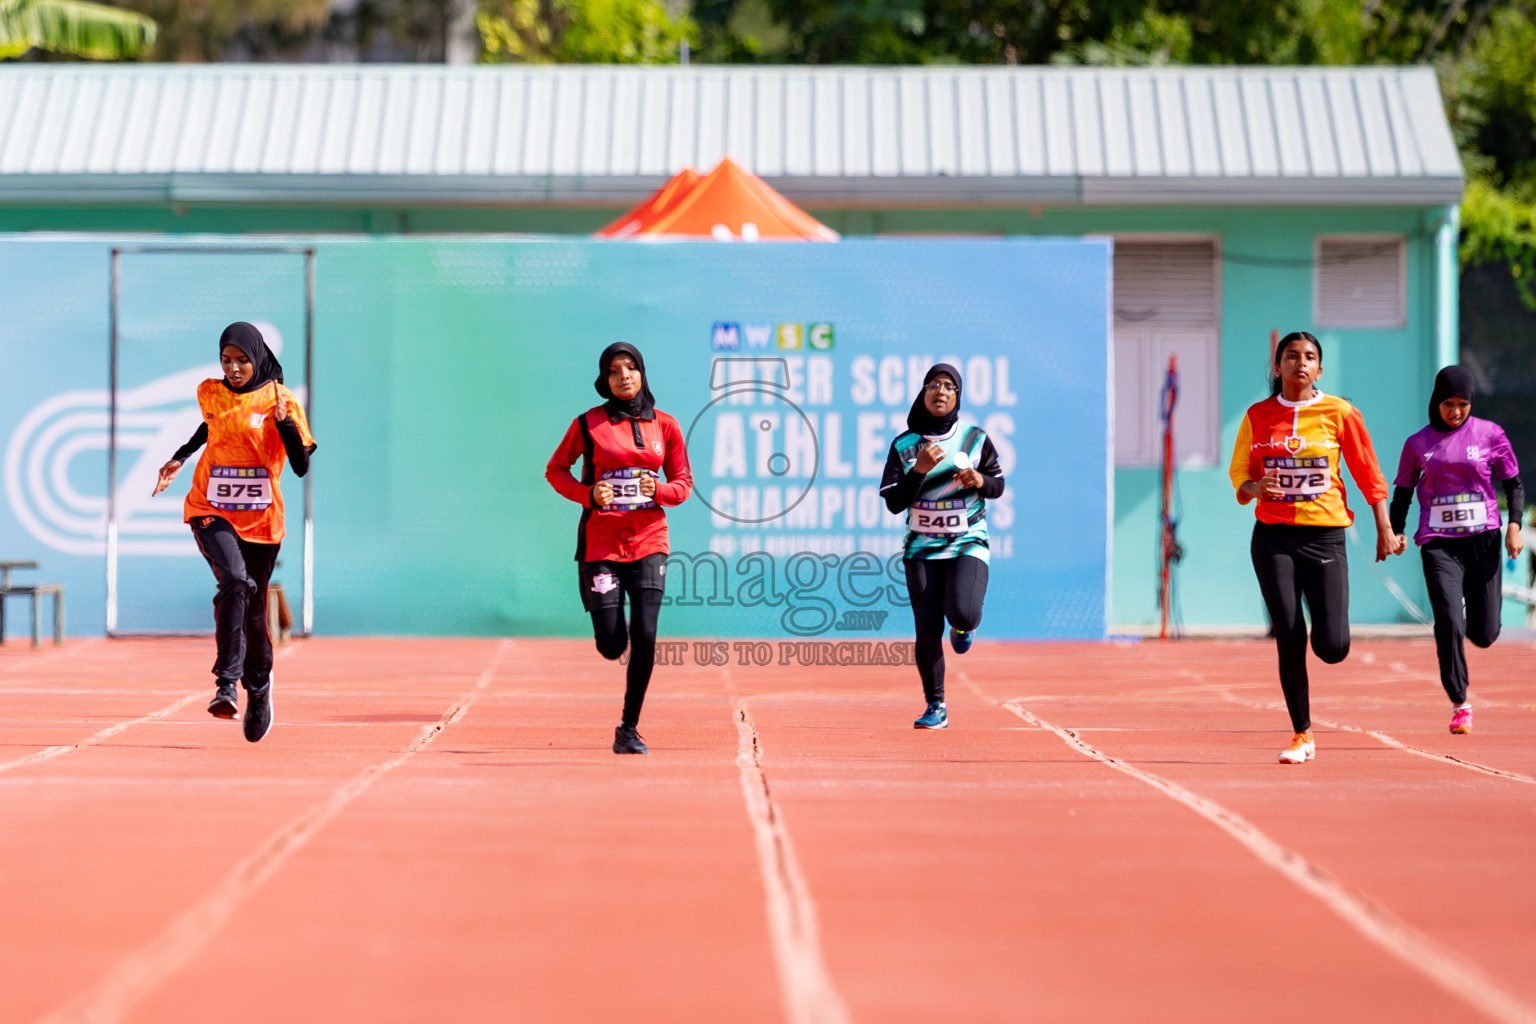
<point x="1458" y="513"/>
<point x="240" y="488"/>
<point x="1300" y="479"/>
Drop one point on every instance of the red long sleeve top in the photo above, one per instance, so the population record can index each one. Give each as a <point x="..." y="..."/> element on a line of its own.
<point x="633" y="526"/>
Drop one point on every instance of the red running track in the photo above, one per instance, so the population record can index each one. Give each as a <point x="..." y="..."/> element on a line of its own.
<point x="435" y="830"/>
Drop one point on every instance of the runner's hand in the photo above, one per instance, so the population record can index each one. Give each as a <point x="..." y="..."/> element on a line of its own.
<point x="971" y="478"/>
<point x="1389" y="543"/>
<point x="1269" y="486"/>
<point x="602" y="494"/>
<point x="648" y="484"/>
<point x="282" y="403"/>
<point x="167" y="474"/>
<point x="1513" y="542"/>
<point x="928" y="456"/>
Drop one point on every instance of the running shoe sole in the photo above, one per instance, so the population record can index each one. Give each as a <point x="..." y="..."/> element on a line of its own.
<point x="223" y="707"/>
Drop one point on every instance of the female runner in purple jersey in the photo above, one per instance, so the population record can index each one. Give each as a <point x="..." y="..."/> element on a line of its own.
<point x="1453" y="463"/>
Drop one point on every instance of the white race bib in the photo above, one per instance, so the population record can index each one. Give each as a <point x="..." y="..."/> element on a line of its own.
<point x="1464" y="512"/>
<point x="1301" y="479"/>
<point x="626" y="489"/>
<point x="946" y="518"/>
<point x="240" y="488"/>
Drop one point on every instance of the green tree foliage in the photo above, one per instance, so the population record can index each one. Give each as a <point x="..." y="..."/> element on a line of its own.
<point x="73" y="27"/>
<point x="203" y="30"/>
<point x="582" y="31"/>
<point x="1490" y="89"/>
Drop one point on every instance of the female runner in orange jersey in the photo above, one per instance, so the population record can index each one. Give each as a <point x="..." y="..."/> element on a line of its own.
<point x="252" y="424"/>
<point x="1287" y="455"/>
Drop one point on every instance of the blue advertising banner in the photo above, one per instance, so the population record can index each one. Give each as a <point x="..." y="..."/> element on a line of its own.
<point x="447" y="370"/>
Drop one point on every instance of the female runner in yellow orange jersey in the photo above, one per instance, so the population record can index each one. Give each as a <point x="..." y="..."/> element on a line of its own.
<point x="252" y="425"/>
<point x="1288" y="454"/>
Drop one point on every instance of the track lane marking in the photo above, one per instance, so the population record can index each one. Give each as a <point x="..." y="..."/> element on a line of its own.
<point x="1455" y="976"/>
<point x="49" y="753"/>
<point x="807" y="990"/>
<point x="1397" y="744"/>
<point x="139" y="973"/>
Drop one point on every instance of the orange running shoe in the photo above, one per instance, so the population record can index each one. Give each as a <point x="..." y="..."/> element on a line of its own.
<point x="1302" y="749"/>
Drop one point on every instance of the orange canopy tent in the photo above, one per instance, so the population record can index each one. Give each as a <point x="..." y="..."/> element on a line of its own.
<point x="727" y="203"/>
<point x="668" y="196"/>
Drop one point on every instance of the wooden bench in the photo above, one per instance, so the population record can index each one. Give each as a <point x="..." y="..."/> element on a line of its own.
<point x="36" y="591"/>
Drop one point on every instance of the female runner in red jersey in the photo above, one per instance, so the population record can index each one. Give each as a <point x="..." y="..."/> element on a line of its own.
<point x="621" y="540"/>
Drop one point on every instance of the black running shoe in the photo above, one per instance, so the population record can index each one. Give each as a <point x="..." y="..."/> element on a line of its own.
<point x="225" y="703"/>
<point x="627" y="741"/>
<point x="258" y="713"/>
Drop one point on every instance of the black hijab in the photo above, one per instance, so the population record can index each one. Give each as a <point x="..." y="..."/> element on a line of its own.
<point x="926" y="423"/>
<point x="264" y="365"/>
<point x="1451" y="382"/>
<point x="643" y="405"/>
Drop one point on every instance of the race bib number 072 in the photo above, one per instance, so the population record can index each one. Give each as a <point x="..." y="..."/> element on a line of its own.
<point x="1301" y="479"/>
<point x="240" y="488"/>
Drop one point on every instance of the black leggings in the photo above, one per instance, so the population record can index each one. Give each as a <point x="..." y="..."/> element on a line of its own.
<point x="242" y="570"/>
<point x="1457" y="569"/>
<point x="605" y="585"/>
<point x="942" y="588"/>
<point x="1292" y="563"/>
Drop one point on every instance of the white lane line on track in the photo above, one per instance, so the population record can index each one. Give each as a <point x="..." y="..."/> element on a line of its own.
<point x="807" y="990"/>
<point x="140" y="972"/>
<point x="1397" y="744"/>
<point x="1418" y="951"/>
<point x="48" y="753"/>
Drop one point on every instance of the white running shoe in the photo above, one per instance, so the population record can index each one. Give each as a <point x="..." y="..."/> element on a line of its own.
<point x="1301" y="750"/>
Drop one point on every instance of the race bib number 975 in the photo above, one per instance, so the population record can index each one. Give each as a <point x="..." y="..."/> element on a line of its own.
<point x="626" y="489"/>
<point x="1300" y="479"/>
<point x="240" y="488"/>
<point x="1458" y="513"/>
<point x="939" y="518"/>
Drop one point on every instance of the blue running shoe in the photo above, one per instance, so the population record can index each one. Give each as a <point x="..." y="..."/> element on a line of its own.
<point x="936" y="717"/>
<point x="961" y="640"/>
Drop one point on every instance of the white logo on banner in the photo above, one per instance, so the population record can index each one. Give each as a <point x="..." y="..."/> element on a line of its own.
<point x="65" y="506"/>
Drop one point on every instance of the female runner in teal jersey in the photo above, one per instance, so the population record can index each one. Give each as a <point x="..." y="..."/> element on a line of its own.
<point x="939" y="472"/>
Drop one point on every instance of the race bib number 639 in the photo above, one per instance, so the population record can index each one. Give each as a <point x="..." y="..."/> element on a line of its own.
<point x="626" y="489"/>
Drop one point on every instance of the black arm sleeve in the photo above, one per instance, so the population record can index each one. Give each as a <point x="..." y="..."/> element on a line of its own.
<point x="293" y="444"/>
<point x="1397" y="512"/>
<point x="899" y="488"/>
<point x="197" y="440"/>
<point x="1514" y="497"/>
<point x="991" y="471"/>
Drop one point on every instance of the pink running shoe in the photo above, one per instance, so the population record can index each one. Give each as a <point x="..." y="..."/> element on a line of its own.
<point x="1461" y="721"/>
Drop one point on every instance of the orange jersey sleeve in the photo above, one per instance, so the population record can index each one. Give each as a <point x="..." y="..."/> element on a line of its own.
<point x="237" y="475"/>
<point x="1360" y="456"/>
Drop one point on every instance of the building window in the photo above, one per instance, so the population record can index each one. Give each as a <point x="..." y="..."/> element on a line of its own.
<point x="1360" y="281"/>
<point x="1167" y="304"/>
